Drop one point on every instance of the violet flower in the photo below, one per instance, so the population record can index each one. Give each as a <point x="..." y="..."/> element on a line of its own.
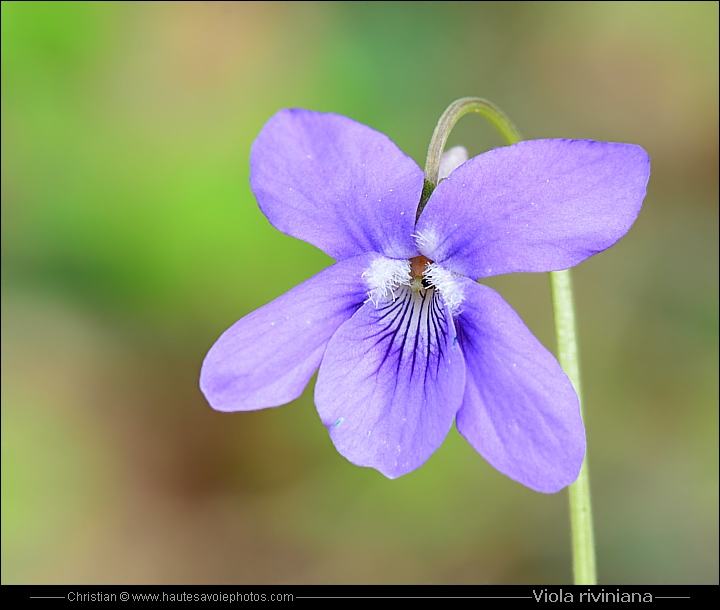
<point x="405" y="339"/>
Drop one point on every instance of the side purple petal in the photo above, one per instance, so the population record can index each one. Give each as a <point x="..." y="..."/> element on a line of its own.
<point x="539" y="205"/>
<point x="267" y="358"/>
<point x="391" y="383"/>
<point x="336" y="184"/>
<point x="520" y="411"/>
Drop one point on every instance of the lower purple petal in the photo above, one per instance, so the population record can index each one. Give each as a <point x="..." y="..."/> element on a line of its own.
<point x="267" y="358"/>
<point x="391" y="382"/>
<point x="520" y="411"/>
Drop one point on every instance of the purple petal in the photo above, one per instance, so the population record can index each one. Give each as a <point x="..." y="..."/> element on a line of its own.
<point x="391" y="382"/>
<point x="267" y="358"/>
<point x="336" y="184"/>
<point x="540" y="205"/>
<point x="520" y="411"/>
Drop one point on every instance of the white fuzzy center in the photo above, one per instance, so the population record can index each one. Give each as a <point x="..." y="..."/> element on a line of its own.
<point x="447" y="284"/>
<point x="427" y="241"/>
<point x="384" y="277"/>
<point x="387" y="277"/>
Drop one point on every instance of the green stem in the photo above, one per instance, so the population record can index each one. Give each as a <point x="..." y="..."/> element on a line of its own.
<point x="583" y="539"/>
<point x="455" y="111"/>
<point x="583" y="542"/>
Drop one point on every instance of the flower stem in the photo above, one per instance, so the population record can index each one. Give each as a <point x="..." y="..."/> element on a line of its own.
<point x="583" y="541"/>
<point x="452" y="115"/>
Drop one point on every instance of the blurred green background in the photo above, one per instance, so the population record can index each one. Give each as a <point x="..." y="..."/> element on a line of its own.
<point x="131" y="240"/>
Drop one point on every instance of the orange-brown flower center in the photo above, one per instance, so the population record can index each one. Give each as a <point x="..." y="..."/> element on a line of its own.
<point x="418" y="265"/>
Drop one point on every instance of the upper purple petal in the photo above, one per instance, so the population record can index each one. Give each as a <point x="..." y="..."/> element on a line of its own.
<point x="391" y="382"/>
<point x="267" y="358"/>
<point x="520" y="411"/>
<point x="336" y="184"/>
<point x="539" y="205"/>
